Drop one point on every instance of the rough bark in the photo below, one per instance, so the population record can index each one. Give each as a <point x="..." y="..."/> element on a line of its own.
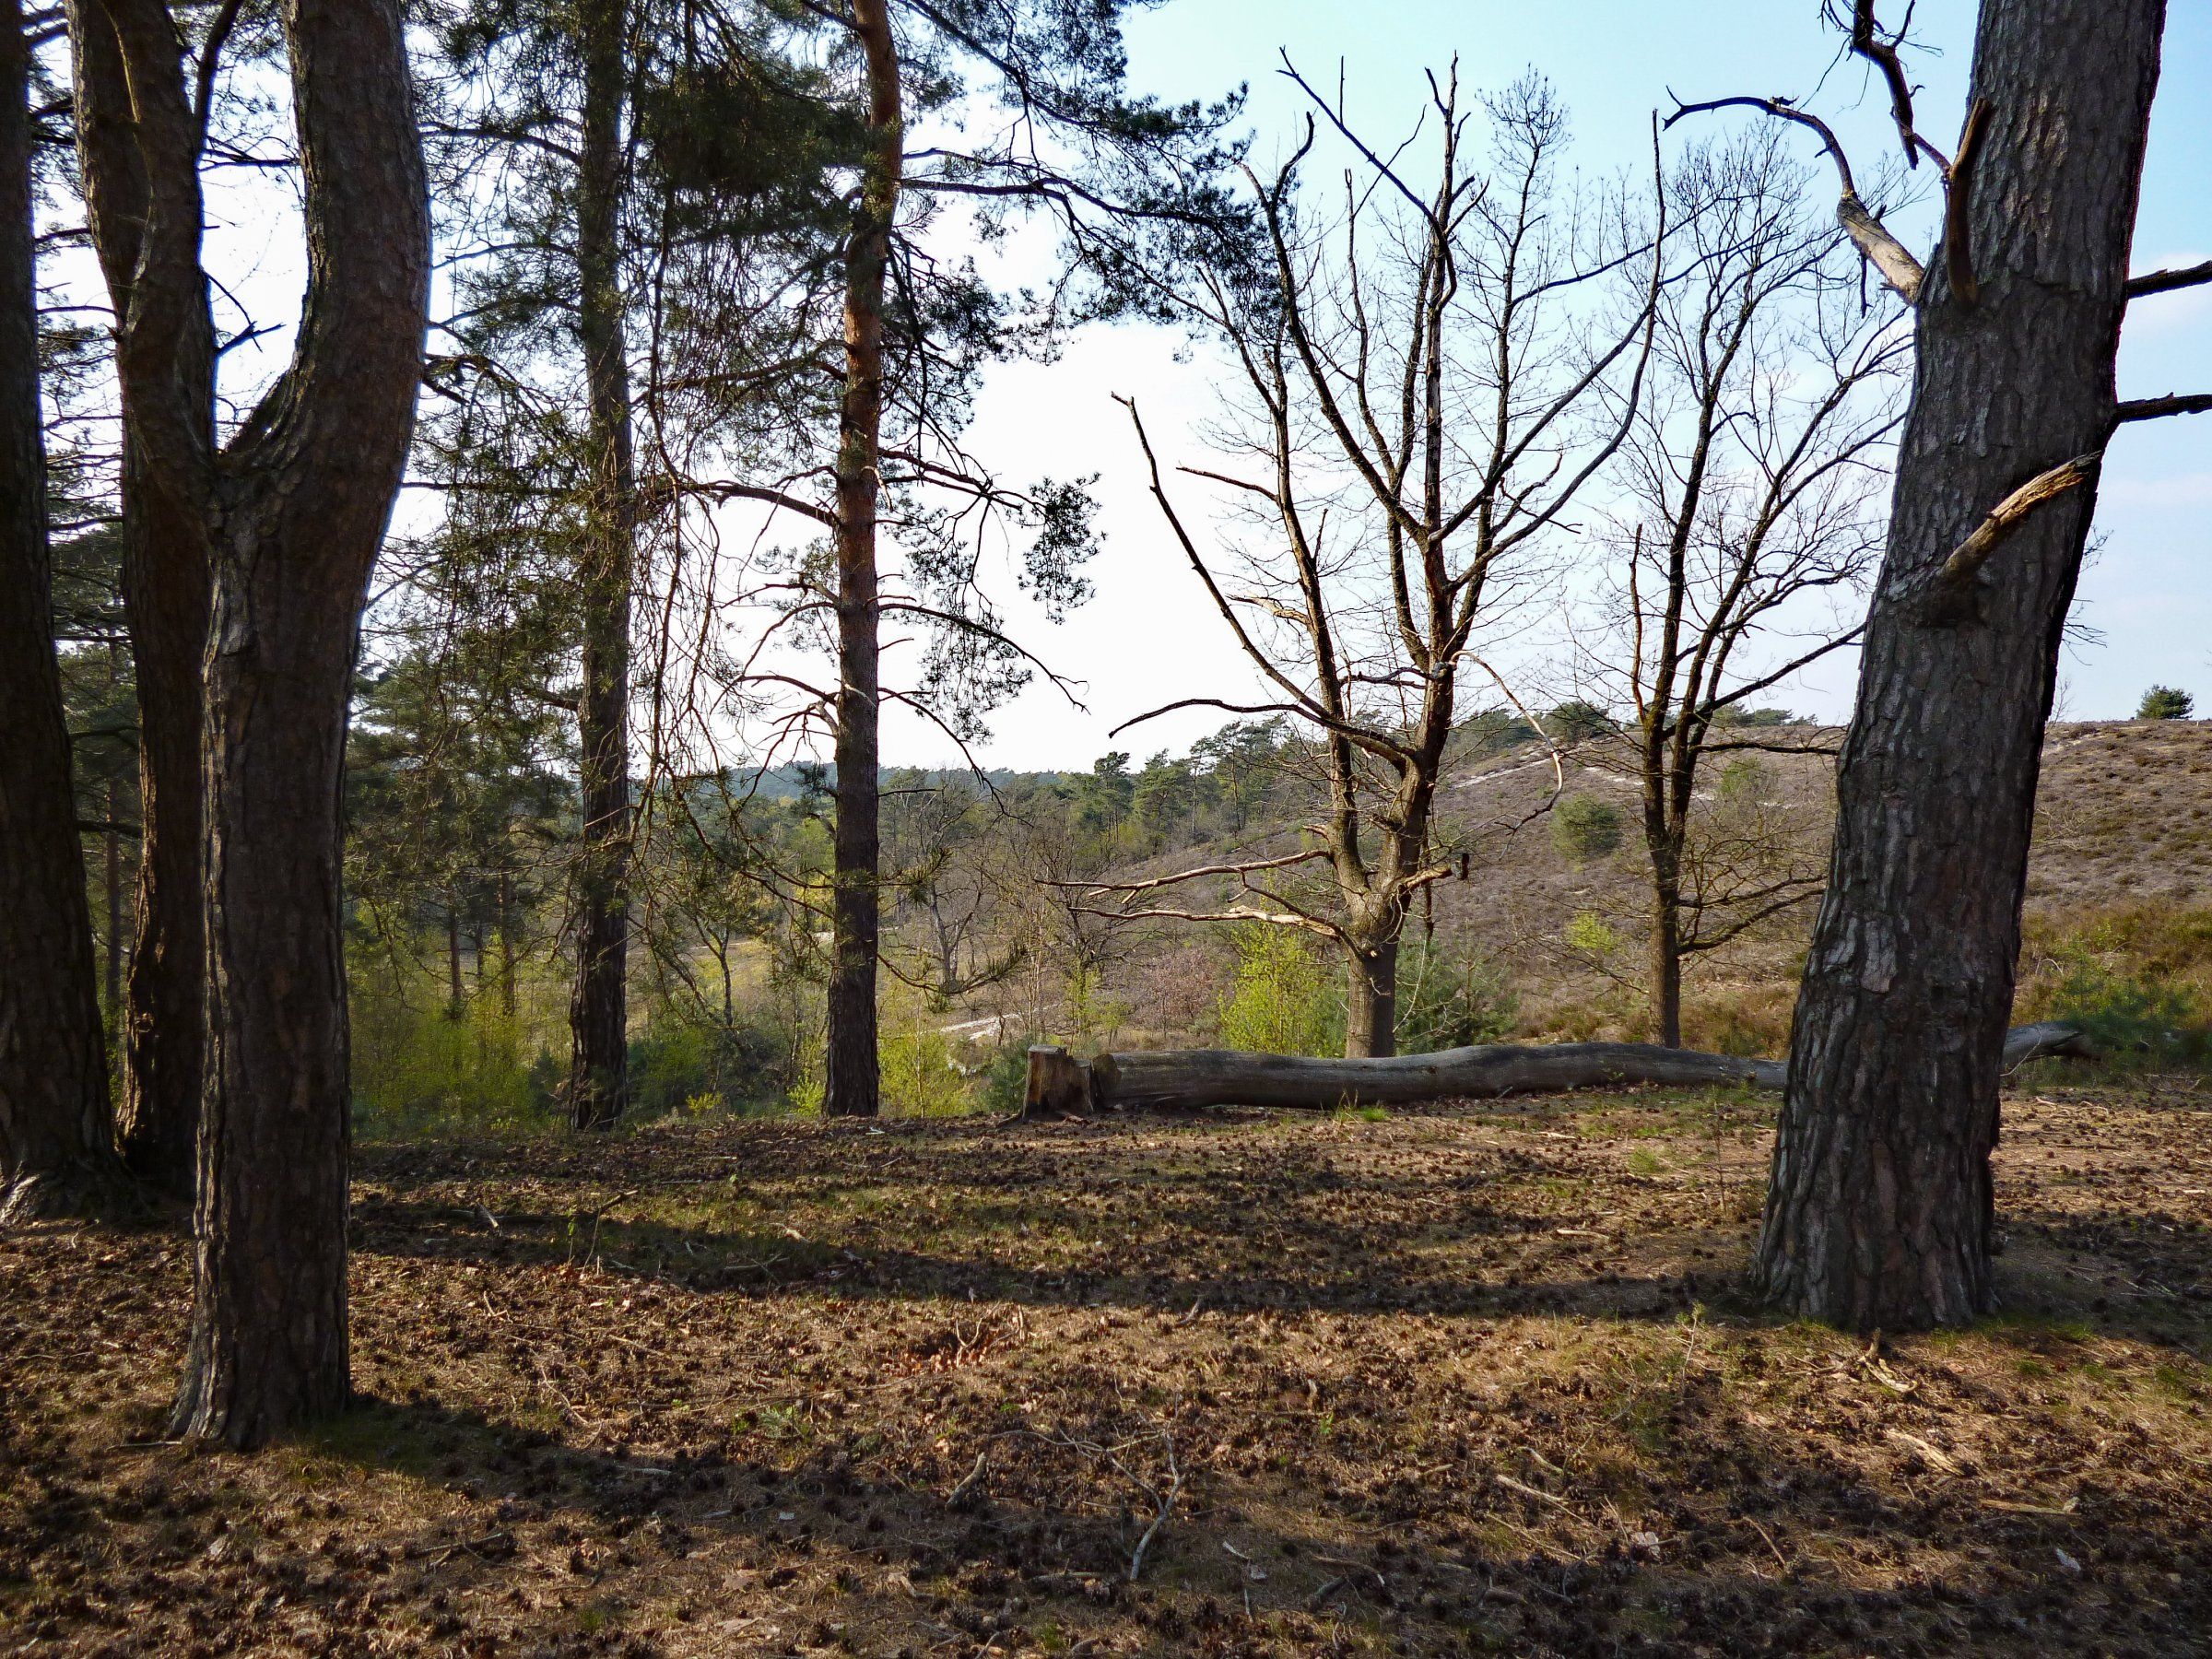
<point x="56" y="1124"/>
<point x="598" y="1008"/>
<point x="165" y="572"/>
<point x="1191" y="1078"/>
<point x="165" y="587"/>
<point x="1880" y="1208"/>
<point x="1371" y="1002"/>
<point x="1665" y="952"/>
<point x="852" y="1079"/>
<point x="292" y="513"/>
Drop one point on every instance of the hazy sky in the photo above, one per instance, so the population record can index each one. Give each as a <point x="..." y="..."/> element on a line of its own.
<point x="1150" y="636"/>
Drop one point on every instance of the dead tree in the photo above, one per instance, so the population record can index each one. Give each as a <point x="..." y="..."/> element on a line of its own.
<point x="292" y="509"/>
<point x="1421" y="403"/>
<point x="56" y="1127"/>
<point x="1190" y="1079"/>
<point x="1751" y="479"/>
<point x="1881" y="1206"/>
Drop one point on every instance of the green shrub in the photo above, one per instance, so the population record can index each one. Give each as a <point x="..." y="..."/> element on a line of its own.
<point x="1007" y="1079"/>
<point x="920" y="1076"/>
<point x="2165" y="703"/>
<point x="1577" y="721"/>
<point x="1589" y="933"/>
<point x="416" y="1071"/>
<point x="1283" y="1000"/>
<point x="1584" y="826"/>
<point x="690" y="1065"/>
<point x="1445" y="1002"/>
<point x="2133" y="1021"/>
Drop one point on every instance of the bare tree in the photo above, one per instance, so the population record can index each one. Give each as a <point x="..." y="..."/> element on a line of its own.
<point x="1423" y="401"/>
<point x="291" y="510"/>
<point x="1751" y="481"/>
<point x="1881" y="1206"/>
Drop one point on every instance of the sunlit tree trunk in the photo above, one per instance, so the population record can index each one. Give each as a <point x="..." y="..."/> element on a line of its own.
<point x="598" y="1009"/>
<point x="851" y="1083"/>
<point x="1880" y="1209"/>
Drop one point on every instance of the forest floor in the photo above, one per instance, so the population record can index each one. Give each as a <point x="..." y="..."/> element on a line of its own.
<point x="1462" y="1380"/>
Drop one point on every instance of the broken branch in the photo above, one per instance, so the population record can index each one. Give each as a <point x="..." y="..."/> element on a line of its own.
<point x="2007" y="516"/>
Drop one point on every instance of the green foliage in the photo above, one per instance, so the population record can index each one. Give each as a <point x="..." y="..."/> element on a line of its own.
<point x="2133" y="1020"/>
<point x="1584" y="826"/>
<point x="1490" y="729"/>
<point x="1578" y="721"/>
<point x="696" y="1064"/>
<point x="1590" y="934"/>
<point x="1007" y="1079"/>
<point x="1735" y="714"/>
<point x="2166" y="702"/>
<point x="921" y="1077"/>
<point x="1451" y="1002"/>
<point x="416" y="1071"/>
<point x="1282" y="1000"/>
<point x="1744" y="781"/>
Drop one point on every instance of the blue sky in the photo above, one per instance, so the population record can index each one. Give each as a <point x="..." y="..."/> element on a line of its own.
<point x="1145" y="638"/>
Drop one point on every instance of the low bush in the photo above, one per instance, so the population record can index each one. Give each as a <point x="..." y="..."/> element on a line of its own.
<point x="1448" y="1000"/>
<point x="1583" y="827"/>
<point x="1282" y="1000"/>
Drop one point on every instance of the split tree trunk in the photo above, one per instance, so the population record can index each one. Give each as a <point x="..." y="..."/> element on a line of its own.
<point x="165" y="573"/>
<point x="56" y="1125"/>
<point x="165" y="603"/>
<point x="1880" y="1208"/>
<point x="852" y="1080"/>
<point x="599" y="1006"/>
<point x="296" y="510"/>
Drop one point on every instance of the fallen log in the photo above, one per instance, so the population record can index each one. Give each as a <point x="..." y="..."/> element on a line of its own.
<point x="1185" y="1079"/>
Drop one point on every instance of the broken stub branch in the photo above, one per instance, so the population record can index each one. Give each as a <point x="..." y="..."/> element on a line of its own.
<point x="1189" y="1079"/>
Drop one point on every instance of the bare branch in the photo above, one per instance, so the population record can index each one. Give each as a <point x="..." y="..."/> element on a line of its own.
<point x="2166" y="281"/>
<point x="1899" y="269"/>
<point x="2154" y="409"/>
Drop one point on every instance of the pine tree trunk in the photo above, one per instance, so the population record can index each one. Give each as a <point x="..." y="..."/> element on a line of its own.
<point x="163" y="305"/>
<point x="456" y="1005"/>
<point x="56" y="1124"/>
<point x="598" y="1009"/>
<point x="302" y="501"/>
<point x="1880" y="1208"/>
<point x="851" y="1083"/>
<point x="1370" y="1003"/>
<point x="111" y="846"/>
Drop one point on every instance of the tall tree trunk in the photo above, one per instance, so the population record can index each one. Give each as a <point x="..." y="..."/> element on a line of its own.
<point x="165" y="570"/>
<point x="455" y="1004"/>
<point x="302" y="501"/>
<point x="507" y="944"/>
<point x="165" y="604"/>
<point x="598" y="1008"/>
<point x="1371" y="1002"/>
<point x="1667" y="942"/>
<point x="56" y="1122"/>
<point x="110" y="844"/>
<point x="1880" y="1206"/>
<point x="851" y="1083"/>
